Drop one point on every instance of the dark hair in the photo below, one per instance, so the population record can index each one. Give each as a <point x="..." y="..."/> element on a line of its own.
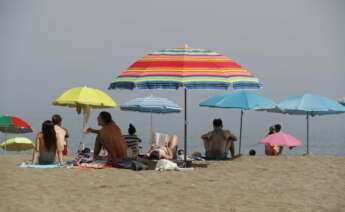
<point x="154" y="155"/>
<point x="252" y="152"/>
<point x="217" y="123"/>
<point x="49" y="135"/>
<point x="277" y="127"/>
<point x="56" y="119"/>
<point x="180" y="151"/>
<point x="131" y="129"/>
<point x="271" y="130"/>
<point x="106" y="117"/>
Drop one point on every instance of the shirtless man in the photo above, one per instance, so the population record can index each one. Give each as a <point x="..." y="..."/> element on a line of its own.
<point x="218" y="142"/>
<point x="109" y="137"/>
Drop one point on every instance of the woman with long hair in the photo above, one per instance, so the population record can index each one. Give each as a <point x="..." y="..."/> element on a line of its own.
<point x="46" y="147"/>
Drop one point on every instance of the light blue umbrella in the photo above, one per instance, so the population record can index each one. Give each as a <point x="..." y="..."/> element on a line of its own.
<point x="151" y="104"/>
<point x="243" y="100"/>
<point x="310" y="105"/>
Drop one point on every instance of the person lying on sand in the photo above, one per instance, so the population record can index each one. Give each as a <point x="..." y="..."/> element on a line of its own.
<point x="218" y="142"/>
<point x="164" y="152"/>
<point x="109" y="137"/>
<point x="47" y="145"/>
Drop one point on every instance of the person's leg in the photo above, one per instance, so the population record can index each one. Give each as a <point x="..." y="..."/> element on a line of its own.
<point x="232" y="148"/>
<point x="172" y="144"/>
<point x="98" y="147"/>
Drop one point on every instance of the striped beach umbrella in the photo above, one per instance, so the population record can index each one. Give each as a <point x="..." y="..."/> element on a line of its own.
<point x="185" y="67"/>
<point x="151" y="104"/>
<point x="12" y="124"/>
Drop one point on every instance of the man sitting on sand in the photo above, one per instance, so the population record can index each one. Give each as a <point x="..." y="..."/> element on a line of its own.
<point x="164" y="152"/>
<point x="218" y="142"/>
<point x="109" y="137"/>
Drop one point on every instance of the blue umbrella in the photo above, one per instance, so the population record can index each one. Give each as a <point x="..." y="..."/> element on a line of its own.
<point x="243" y="100"/>
<point x="151" y="104"/>
<point x="310" y="105"/>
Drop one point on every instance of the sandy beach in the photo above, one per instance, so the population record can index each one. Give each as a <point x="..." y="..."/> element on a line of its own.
<point x="245" y="184"/>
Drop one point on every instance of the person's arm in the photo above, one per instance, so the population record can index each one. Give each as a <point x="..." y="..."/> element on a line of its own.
<point x="231" y="137"/>
<point x="36" y="151"/>
<point x="280" y="150"/>
<point x="168" y="156"/>
<point x="90" y="130"/>
<point x="97" y="148"/>
<point x="60" y="156"/>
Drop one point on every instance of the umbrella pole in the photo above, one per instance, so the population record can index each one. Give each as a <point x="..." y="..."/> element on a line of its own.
<point x="307" y="133"/>
<point x="151" y="122"/>
<point x="185" y="127"/>
<point x="239" y="145"/>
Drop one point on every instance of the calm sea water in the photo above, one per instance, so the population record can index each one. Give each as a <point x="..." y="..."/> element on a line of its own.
<point x="327" y="133"/>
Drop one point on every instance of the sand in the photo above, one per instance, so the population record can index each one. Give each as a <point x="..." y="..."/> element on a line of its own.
<point x="258" y="183"/>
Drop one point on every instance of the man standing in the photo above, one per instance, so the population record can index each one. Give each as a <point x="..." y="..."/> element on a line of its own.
<point x="218" y="142"/>
<point x="109" y="137"/>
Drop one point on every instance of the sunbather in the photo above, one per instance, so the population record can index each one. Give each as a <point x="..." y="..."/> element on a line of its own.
<point x="168" y="151"/>
<point x="47" y="145"/>
<point x="109" y="137"/>
<point x="218" y="142"/>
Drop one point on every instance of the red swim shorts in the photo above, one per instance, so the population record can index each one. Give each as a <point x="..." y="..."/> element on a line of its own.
<point x="64" y="152"/>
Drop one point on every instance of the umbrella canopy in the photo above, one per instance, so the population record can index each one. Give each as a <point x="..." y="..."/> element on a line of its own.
<point x="151" y="104"/>
<point x="17" y="144"/>
<point x="185" y="67"/>
<point x="309" y="105"/>
<point x="83" y="99"/>
<point x="188" y="67"/>
<point x="243" y="100"/>
<point x="85" y="96"/>
<point x="12" y="124"/>
<point x="281" y="139"/>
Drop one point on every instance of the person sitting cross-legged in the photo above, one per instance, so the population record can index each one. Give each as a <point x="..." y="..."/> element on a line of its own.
<point x="218" y="142"/>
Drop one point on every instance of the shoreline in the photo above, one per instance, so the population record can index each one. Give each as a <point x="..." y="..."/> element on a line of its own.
<point x="258" y="183"/>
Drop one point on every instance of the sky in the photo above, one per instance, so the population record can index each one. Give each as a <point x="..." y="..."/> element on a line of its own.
<point x="293" y="47"/>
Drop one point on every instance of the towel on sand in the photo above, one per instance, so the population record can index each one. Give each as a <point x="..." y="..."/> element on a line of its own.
<point x="55" y="165"/>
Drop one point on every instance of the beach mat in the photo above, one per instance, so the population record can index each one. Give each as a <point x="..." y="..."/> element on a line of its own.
<point x="48" y="166"/>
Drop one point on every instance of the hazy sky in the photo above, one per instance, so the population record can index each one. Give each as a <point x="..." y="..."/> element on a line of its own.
<point x="293" y="47"/>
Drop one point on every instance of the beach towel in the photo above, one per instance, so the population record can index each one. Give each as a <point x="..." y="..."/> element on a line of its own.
<point x="55" y="165"/>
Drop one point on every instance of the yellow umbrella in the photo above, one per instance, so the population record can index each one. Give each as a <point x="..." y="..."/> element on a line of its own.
<point x="17" y="144"/>
<point x="83" y="99"/>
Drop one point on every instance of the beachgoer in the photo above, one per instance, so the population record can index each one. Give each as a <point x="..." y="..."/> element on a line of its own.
<point x="61" y="132"/>
<point x="164" y="152"/>
<point x="252" y="152"/>
<point x="108" y="137"/>
<point x="277" y="128"/>
<point x="46" y="146"/>
<point x="271" y="150"/>
<point x="218" y="142"/>
<point x="132" y="141"/>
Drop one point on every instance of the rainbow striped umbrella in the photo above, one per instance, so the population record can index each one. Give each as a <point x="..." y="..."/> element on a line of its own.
<point x="185" y="67"/>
